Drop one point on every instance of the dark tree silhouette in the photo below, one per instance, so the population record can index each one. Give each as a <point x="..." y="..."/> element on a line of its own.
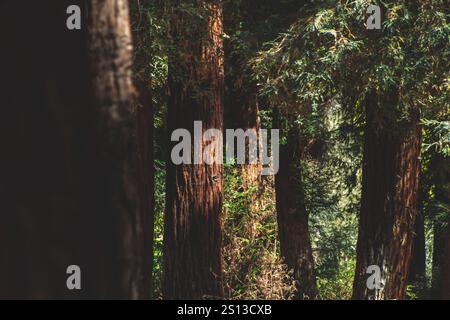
<point x="295" y="242"/>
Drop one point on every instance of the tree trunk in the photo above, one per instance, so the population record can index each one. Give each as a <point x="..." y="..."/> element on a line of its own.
<point x="295" y="243"/>
<point x="389" y="200"/>
<point x="69" y="186"/>
<point x="49" y="191"/>
<point x="251" y="172"/>
<point x="125" y="170"/>
<point x="244" y="107"/>
<point x="192" y="238"/>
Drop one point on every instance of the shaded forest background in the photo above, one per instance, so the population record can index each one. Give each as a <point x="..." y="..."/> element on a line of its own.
<point x="364" y="169"/>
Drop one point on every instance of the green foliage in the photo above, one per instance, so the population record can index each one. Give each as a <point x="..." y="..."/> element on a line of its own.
<point x="440" y="136"/>
<point x="329" y="58"/>
<point x="411" y="293"/>
<point x="150" y="26"/>
<point x="340" y="286"/>
<point x="149" y="30"/>
<point x="318" y="72"/>
<point x="160" y="195"/>
<point x="329" y="54"/>
<point x="252" y="265"/>
<point x="433" y="192"/>
<point x="332" y="186"/>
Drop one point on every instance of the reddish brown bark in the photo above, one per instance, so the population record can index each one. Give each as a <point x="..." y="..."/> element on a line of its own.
<point x="295" y="243"/>
<point x="389" y="199"/>
<point x="126" y="159"/>
<point x="192" y="237"/>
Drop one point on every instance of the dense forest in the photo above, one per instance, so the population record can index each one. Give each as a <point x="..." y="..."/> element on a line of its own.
<point x="225" y="149"/>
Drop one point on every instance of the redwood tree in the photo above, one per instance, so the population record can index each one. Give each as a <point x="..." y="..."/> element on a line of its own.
<point x="47" y="185"/>
<point x="389" y="197"/>
<point x="72" y="183"/>
<point x="126" y="161"/>
<point x="292" y="216"/>
<point x="192" y="236"/>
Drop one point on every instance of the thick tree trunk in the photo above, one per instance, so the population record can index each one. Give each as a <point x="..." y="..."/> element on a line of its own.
<point x="69" y="185"/>
<point x="126" y="243"/>
<point x="295" y="243"/>
<point x="389" y="201"/>
<point x="48" y="187"/>
<point x="192" y="238"/>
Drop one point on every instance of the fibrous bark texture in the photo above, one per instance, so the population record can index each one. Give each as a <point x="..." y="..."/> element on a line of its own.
<point x="125" y="169"/>
<point x="192" y="237"/>
<point x="389" y="199"/>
